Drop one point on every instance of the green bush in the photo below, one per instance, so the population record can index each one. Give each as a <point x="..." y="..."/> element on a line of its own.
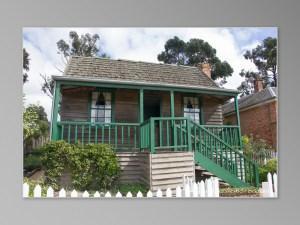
<point x="92" y="167"/>
<point x="270" y="167"/>
<point x="32" y="161"/>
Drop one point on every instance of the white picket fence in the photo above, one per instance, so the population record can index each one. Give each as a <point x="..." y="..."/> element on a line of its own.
<point x="270" y="188"/>
<point x="208" y="188"/>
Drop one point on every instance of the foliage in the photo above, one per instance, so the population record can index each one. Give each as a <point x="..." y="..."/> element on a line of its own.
<point x="270" y="167"/>
<point x="83" y="45"/>
<point x="264" y="57"/>
<point x="235" y="192"/>
<point x="32" y="161"/>
<point x="93" y="166"/>
<point x="255" y="146"/>
<point x="25" y="65"/>
<point x="193" y="52"/>
<point x="35" y="122"/>
<point x="48" y="85"/>
<point x="134" y="188"/>
<point x="30" y="124"/>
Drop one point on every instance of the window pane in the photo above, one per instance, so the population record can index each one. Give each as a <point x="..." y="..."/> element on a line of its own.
<point x="107" y="113"/>
<point x="101" y="113"/>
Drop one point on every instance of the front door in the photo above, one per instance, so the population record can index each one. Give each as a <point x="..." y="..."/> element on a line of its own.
<point x="151" y="105"/>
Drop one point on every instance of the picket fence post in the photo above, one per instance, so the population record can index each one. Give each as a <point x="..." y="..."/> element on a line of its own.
<point x="62" y="193"/>
<point x="97" y="194"/>
<point x="159" y="193"/>
<point x="25" y="190"/>
<point x="37" y="191"/>
<point x="107" y="195"/>
<point x="202" y="189"/>
<point x="74" y="194"/>
<point x="275" y="184"/>
<point x="85" y="194"/>
<point x="168" y="193"/>
<point x="149" y="194"/>
<point x="119" y="195"/>
<point x="139" y="195"/>
<point x="178" y="192"/>
<point x="50" y="192"/>
<point x="270" y="188"/>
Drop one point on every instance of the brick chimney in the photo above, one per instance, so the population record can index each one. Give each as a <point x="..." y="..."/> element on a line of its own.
<point x="258" y="85"/>
<point x="205" y="68"/>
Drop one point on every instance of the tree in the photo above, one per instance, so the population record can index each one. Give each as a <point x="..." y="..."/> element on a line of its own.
<point x="25" y="65"/>
<point x="193" y="52"/>
<point x="264" y="57"/>
<point x="35" y="122"/>
<point x="84" y="45"/>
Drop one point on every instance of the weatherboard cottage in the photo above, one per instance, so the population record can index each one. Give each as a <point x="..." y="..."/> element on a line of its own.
<point x="164" y="121"/>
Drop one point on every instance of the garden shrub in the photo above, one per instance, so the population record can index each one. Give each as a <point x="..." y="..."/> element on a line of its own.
<point x="92" y="166"/>
<point x="32" y="162"/>
<point x="270" y="167"/>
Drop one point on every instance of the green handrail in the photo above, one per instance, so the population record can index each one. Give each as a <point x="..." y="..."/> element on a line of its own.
<point x="224" y="155"/>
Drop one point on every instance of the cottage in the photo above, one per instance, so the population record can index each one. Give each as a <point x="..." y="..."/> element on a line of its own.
<point x="164" y="121"/>
<point x="258" y="114"/>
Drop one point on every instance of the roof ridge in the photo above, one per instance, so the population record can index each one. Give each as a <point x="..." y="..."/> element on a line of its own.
<point x="129" y="60"/>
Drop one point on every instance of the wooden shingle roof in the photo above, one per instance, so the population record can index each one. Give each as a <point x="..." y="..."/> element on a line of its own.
<point x="125" y="70"/>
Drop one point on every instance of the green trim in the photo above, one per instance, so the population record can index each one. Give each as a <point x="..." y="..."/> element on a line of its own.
<point x="201" y="116"/>
<point x="172" y="105"/>
<point x="236" y="105"/>
<point x="56" y="100"/>
<point x="217" y="170"/>
<point x="141" y="105"/>
<point x="152" y="136"/>
<point x="204" y="90"/>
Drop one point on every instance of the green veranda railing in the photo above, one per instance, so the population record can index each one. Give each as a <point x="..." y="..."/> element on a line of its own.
<point x="122" y="136"/>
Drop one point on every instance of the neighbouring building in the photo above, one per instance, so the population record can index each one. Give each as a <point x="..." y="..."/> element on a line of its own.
<point x="164" y="121"/>
<point x="258" y="113"/>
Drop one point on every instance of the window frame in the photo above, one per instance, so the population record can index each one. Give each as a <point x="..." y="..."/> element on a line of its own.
<point x="112" y="95"/>
<point x="199" y="99"/>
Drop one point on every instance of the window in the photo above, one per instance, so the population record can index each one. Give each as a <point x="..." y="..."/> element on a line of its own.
<point x="101" y="107"/>
<point x="191" y="108"/>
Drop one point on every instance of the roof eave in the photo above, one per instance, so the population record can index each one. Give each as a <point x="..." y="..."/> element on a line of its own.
<point x="139" y="83"/>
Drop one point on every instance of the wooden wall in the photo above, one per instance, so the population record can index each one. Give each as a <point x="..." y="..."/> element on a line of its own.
<point x="75" y="106"/>
<point x="168" y="168"/>
<point x="134" y="167"/>
<point x="126" y="106"/>
<point x="212" y="111"/>
<point x="161" y="170"/>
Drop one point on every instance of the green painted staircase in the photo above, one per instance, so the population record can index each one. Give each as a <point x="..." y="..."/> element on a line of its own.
<point x="221" y="159"/>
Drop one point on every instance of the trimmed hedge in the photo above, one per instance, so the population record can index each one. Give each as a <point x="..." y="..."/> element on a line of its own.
<point x="92" y="166"/>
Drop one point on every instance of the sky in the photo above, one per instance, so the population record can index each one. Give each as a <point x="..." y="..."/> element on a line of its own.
<point x="140" y="44"/>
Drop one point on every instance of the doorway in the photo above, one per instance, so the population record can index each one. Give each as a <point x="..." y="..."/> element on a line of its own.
<point x="151" y="105"/>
